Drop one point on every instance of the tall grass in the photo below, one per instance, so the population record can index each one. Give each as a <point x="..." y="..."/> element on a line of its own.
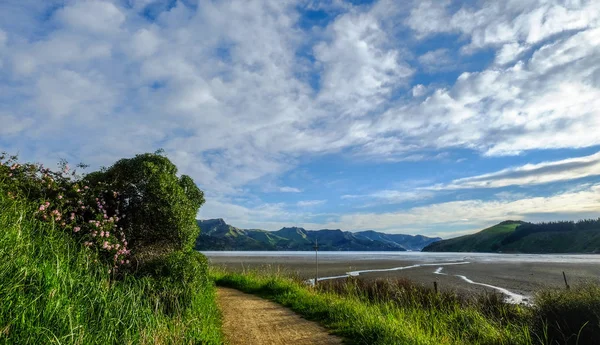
<point x="568" y="316"/>
<point x="401" y="312"/>
<point x="350" y="311"/>
<point x="53" y="292"/>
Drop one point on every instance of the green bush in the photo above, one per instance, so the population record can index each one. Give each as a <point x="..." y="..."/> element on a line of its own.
<point x="160" y="207"/>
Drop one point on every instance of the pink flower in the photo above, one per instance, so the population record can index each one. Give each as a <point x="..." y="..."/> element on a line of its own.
<point x="60" y="197"/>
<point x="101" y="233"/>
<point x="47" y="203"/>
<point x="42" y="207"/>
<point x="107" y="234"/>
<point x="127" y="262"/>
<point x="10" y="175"/>
<point x="76" y="229"/>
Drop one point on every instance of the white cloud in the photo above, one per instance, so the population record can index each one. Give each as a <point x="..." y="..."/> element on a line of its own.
<point x="389" y="197"/>
<point x="437" y="60"/>
<point x="12" y="125"/>
<point x="551" y="101"/>
<point x="310" y="203"/>
<point x="144" y="43"/>
<point x="418" y="90"/>
<point x="438" y="218"/>
<point x="359" y="69"/>
<point x="563" y="170"/>
<point x="509" y="53"/>
<point x="287" y="189"/>
<point x="93" y="16"/>
<point x="497" y="23"/>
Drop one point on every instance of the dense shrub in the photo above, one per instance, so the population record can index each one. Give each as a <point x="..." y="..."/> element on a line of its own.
<point x="160" y="207"/>
<point x="138" y="206"/>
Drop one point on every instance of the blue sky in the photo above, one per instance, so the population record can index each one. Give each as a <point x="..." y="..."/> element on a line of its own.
<point x="432" y="117"/>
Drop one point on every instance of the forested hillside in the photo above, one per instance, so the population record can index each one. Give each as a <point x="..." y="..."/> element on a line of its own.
<point x="520" y="237"/>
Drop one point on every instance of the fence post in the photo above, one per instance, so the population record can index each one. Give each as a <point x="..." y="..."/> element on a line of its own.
<point x="566" y="283"/>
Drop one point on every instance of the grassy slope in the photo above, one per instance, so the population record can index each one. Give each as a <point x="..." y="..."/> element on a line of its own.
<point x="490" y="240"/>
<point x="382" y="322"/>
<point x="487" y="240"/>
<point x="52" y="292"/>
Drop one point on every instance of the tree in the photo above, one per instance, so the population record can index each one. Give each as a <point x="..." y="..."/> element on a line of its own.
<point x="160" y="207"/>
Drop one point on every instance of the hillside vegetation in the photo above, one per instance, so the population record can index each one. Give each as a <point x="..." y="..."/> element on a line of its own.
<point x="521" y="237"/>
<point x="70" y="275"/>
<point x="218" y="235"/>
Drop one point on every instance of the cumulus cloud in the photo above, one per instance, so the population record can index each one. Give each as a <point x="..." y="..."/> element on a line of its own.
<point x="360" y="69"/>
<point x="239" y="91"/>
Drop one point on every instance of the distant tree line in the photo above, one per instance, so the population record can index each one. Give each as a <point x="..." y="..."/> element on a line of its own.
<point x="526" y="229"/>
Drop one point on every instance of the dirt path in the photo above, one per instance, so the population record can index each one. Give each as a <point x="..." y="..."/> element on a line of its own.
<point x="251" y="320"/>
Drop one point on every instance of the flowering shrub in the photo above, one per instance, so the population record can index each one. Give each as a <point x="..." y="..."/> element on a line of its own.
<point x="91" y="214"/>
<point x="133" y="207"/>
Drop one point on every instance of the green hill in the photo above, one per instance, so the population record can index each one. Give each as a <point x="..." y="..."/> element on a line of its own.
<point x="522" y="237"/>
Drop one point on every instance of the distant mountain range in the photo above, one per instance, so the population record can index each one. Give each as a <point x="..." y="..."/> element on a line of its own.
<point x="218" y="235"/>
<point x="522" y="237"/>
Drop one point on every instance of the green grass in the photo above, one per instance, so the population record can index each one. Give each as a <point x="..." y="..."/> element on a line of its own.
<point x="487" y="240"/>
<point x="400" y="312"/>
<point x="366" y="321"/>
<point x="52" y="292"/>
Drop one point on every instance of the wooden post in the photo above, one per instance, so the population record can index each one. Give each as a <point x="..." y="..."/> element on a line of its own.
<point x="316" y="261"/>
<point x="435" y="287"/>
<point x="566" y="283"/>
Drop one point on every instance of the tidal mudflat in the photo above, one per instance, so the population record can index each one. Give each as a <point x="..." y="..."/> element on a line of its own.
<point x="517" y="274"/>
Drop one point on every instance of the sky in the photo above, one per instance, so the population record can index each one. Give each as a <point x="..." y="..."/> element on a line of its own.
<point x="421" y="117"/>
